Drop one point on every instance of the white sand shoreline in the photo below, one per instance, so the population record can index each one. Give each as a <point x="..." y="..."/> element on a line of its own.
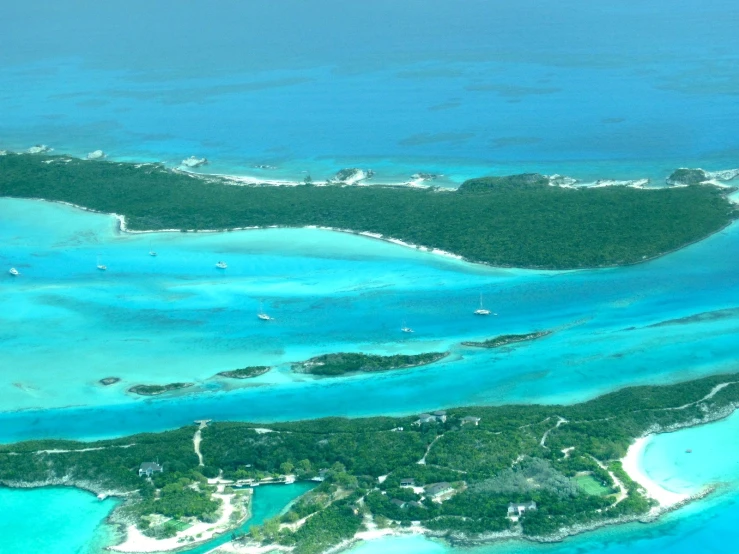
<point x="632" y="466"/>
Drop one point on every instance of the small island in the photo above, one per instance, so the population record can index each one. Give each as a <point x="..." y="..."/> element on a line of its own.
<point x="155" y="390"/>
<point x="348" y="362"/>
<point x="503" y="340"/>
<point x="107" y="381"/>
<point x="246" y="372"/>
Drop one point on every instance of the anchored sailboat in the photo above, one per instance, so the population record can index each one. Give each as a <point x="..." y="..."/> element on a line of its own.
<point x="481" y="310"/>
<point x="100" y="266"/>
<point x="221" y="265"/>
<point x="14" y="272"/>
<point x="152" y="252"/>
<point x="405" y="329"/>
<point x="261" y="315"/>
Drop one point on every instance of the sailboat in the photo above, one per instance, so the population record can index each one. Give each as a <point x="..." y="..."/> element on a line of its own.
<point x="152" y="252"/>
<point x="406" y="329"/>
<point x="221" y="265"/>
<point x="100" y="266"/>
<point x="481" y="310"/>
<point x="261" y="315"/>
<point x="14" y="272"/>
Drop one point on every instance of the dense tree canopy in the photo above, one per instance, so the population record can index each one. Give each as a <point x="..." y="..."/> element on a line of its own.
<point x="511" y="221"/>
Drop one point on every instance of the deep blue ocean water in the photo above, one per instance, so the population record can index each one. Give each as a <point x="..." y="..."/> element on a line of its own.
<point x="627" y="89"/>
<point x="593" y="90"/>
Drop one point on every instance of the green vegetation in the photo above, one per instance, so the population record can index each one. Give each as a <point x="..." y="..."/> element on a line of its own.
<point x="247" y="372"/>
<point x="109" y="381"/>
<point x="346" y="362"/>
<point x="564" y="458"/>
<point x="485" y="184"/>
<point x="685" y="176"/>
<point x="154" y="390"/>
<point x="512" y="221"/>
<point x="503" y="340"/>
<point x="591" y="485"/>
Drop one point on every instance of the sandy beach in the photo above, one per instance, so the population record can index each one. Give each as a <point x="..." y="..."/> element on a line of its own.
<point x="137" y="542"/>
<point x="632" y="465"/>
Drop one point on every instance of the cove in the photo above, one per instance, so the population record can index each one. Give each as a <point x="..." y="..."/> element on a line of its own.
<point x="704" y="526"/>
<point x="53" y="519"/>
<point x="71" y="521"/>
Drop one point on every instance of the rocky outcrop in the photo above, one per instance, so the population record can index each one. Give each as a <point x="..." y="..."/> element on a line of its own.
<point x="685" y="176"/>
<point x="352" y="175"/>
<point x="39" y="149"/>
<point x="96" y="155"/>
<point x="192" y="162"/>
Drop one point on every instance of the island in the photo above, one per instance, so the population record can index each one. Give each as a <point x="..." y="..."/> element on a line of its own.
<point x="246" y="372"/>
<point x="107" y="381"/>
<point x="350" y="362"/>
<point x="503" y="340"/>
<point x="514" y="221"/>
<point x="480" y="473"/>
<point x="155" y="390"/>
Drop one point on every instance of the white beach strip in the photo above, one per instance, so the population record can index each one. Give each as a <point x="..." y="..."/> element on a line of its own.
<point x="137" y="542"/>
<point x="632" y="466"/>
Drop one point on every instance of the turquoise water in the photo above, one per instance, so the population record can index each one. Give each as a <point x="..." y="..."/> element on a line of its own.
<point x="70" y="521"/>
<point x="173" y="318"/>
<point x="53" y="520"/>
<point x="269" y="501"/>
<point x="622" y="90"/>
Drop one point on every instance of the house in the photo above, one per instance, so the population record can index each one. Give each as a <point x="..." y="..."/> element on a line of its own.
<point x="398" y="503"/>
<point x="409" y="482"/>
<point x="471" y="419"/>
<point x="518" y="509"/>
<point x="425" y="418"/>
<point x="416" y="504"/>
<point x="149" y="469"/>
<point x="438" y="489"/>
<point x="440" y="415"/>
<point x="431" y="418"/>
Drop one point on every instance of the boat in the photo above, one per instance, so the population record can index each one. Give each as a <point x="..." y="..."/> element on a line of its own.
<point x="481" y="310"/>
<point x="13" y="271"/>
<point x="221" y="265"/>
<point x="261" y="315"/>
<point x="152" y="252"/>
<point x="405" y="329"/>
<point x="100" y="266"/>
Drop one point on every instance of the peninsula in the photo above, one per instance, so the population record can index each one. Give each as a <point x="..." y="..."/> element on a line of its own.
<point x="519" y="221"/>
<point x="476" y="473"/>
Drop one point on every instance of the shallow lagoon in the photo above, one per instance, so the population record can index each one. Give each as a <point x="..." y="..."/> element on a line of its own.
<point x="54" y="519"/>
<point x="70" y="521"/>
<point x="178" y="318"/>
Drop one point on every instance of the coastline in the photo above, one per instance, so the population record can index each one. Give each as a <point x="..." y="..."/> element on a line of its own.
<point x="132" y="541"/>
<point x="123" y="227"/>
<point x="631" y="463"/>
